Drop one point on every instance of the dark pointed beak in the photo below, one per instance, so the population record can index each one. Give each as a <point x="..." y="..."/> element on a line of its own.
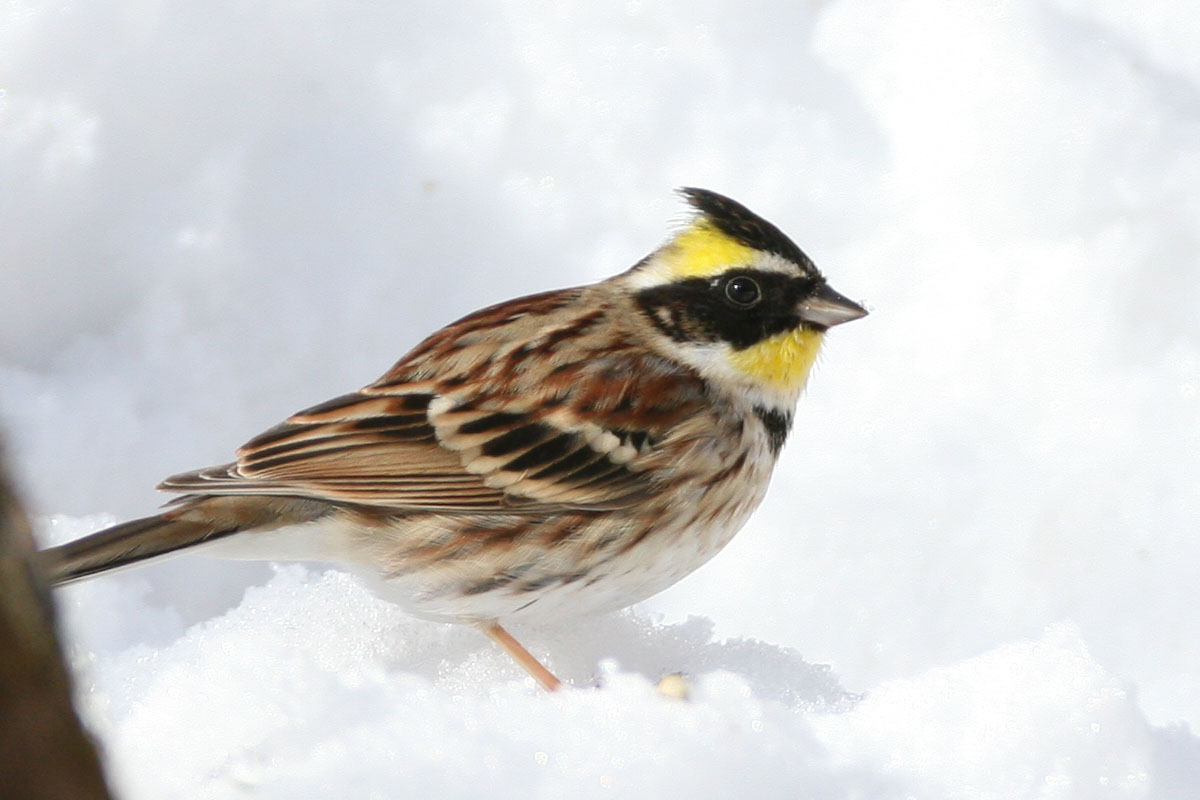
<point x="826" y="308"/>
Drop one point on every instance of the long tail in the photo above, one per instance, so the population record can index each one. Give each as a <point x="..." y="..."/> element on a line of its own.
<point x="192" y="522"/>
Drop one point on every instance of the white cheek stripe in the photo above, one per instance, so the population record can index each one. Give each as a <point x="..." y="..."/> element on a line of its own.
<point x="712" y="360"/>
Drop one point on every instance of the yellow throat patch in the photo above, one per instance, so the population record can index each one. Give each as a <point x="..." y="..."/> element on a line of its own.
<point x="781" y="361"/>
<point x="702" y="250"/>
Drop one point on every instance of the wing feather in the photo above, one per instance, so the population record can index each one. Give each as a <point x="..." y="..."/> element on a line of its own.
<point x="504" y="410"/>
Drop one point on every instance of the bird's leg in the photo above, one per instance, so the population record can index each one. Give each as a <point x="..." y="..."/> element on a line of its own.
<point x="522" y="656"/>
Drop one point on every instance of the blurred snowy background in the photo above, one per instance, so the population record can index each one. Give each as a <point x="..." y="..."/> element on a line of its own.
<point x="976" y="574"/>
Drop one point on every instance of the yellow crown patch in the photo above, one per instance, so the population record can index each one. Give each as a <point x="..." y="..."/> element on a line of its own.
<point x="702" y="251"/>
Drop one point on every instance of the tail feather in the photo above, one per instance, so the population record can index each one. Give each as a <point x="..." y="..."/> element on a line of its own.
<point x="128" y="543"/>
<point x="189" y="522"/>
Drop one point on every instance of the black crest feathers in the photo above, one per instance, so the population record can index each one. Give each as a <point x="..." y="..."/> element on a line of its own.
<point x="740" y="223"/>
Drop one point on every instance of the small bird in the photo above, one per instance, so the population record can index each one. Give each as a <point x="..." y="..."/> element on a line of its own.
<point x="569" y="452"/>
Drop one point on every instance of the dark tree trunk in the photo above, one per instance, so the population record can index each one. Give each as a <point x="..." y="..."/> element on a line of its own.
<point x="44" y="753"/>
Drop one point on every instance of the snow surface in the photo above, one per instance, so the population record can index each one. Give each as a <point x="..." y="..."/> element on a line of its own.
<point x="985" y="524"/>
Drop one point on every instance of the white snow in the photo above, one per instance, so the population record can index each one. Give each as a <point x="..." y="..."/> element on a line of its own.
<point x="985" y="524"/>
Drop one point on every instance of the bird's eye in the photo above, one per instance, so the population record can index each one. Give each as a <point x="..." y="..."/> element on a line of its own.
<point x="743" y="291"/>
